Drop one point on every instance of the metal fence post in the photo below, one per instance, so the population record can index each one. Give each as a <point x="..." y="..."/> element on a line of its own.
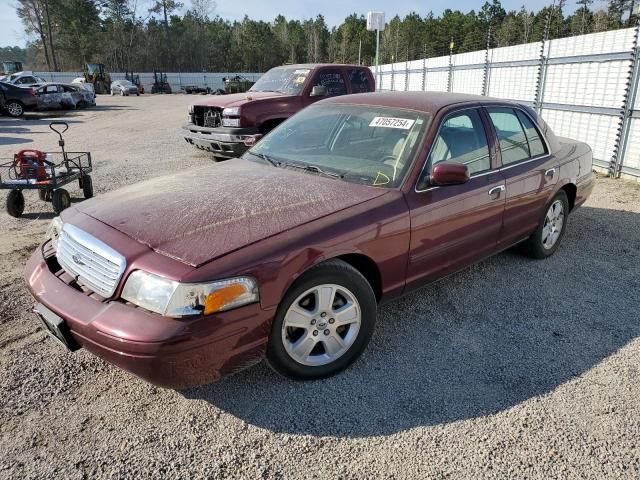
<point x="450" y="76"/>
<point x="542" y="66"/>
<point x="393" y="77"/>
<point x="485" y="76"/>
<point x="424" y="73"/>
<point x="631" y="90"/>
<point x="406" y="75"/>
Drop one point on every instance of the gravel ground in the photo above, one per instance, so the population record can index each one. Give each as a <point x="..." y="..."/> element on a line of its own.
<point x="511" y="369"/>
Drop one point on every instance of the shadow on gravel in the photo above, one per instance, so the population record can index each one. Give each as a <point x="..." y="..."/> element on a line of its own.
<point x="474" y="344"/>
<point x="13" y="140"/>
<point x="29" y="121"/>
<point x="112" y="107"/>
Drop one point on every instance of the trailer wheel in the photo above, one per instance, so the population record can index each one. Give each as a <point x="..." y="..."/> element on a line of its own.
<point x="61" y="200"/>
<point x="15" y="203"/>
<point x="87" y="186"/>
<point x="44" y="195"/>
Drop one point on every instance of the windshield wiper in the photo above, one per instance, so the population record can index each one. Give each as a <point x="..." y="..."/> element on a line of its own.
<point x="266" y="158"/>
<point x="313" y="168"/>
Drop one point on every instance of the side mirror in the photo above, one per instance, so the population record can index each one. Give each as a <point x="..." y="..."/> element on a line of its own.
<point x="318" y="91"/>
<point x="449" y="173"/>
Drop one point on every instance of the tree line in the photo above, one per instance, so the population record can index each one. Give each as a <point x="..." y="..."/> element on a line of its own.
<point x="66" y="34"/>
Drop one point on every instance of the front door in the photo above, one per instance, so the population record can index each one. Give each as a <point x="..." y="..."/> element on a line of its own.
<point x="453" y="226"/>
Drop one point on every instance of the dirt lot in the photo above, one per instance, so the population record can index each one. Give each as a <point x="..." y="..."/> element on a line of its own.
<point x="511" y="369"/>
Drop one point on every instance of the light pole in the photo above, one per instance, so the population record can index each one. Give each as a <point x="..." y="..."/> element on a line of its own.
<point x="376" y="21"/>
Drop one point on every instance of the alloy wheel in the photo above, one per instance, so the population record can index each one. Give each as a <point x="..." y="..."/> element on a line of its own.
<point x="321" y="325"/>
<point x="553" y="223"/>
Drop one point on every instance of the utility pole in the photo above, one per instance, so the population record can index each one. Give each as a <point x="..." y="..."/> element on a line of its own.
<point x="376" y="21"/>
<point x="360" y="51"/>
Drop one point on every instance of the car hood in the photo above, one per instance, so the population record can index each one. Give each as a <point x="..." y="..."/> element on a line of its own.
<point x="237" y="99"/>
<point x="204" y="213"/>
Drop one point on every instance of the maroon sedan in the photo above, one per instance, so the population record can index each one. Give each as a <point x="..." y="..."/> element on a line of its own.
<point x="288" y="251"/>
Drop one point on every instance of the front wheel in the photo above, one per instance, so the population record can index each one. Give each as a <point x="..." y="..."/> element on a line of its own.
<point x="324" y="322"/>
<point x="546" y="239"/>
<point x="15" y="203"/>
<point x="60" y="200"/>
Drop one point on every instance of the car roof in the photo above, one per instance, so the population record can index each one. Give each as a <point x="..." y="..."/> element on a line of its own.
<point x="318" y="65"/>
<point x="427" y="102"/>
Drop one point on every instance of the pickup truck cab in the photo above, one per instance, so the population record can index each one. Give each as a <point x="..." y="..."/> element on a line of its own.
<point x="228" y="125"/>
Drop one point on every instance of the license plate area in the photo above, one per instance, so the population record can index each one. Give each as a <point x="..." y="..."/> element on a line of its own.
<point x="55" y="326"/>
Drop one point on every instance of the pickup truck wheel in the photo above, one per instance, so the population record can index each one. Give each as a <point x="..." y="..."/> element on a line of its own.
<point x="15" y="203"/>
<point x="60" y="200"/>
<point x="546" y="239"/>
<point x="324" y="322"/>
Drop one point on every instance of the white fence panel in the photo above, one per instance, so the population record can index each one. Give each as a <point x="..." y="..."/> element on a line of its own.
<point x="598" y="84"/>
<point x="599" y="131"/>
<point x="632" y="159"/>
<point x="513" y="83"/>
<point x="468" y="81"/>
<point x="437" y="81"/>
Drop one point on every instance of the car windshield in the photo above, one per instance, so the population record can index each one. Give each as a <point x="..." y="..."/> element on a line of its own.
<point x="288" y="80"/>
<point x="125" y="83"/>
<point x="358" y="143"/>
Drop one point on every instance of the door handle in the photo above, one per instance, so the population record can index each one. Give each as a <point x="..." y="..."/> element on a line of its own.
<point x="550" y="173"/>
<point x="499" y="188"/>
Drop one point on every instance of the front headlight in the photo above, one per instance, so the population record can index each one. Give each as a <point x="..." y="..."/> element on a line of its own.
<point x="174" y="299"/>
<point x="231" y="112"/>
<point x="190" y="109"/>
<point x="53" y="232"/>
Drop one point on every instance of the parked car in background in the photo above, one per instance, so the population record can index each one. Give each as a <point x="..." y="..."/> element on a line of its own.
<point x="124" y="87"/>
<point x="14" y="101"/>
<point x="82" y="83"/>
<point x="288" y="251"/>
<point x="23" y="79"/>
<point x="227" y="125"/>
<point x="61" y="96"/>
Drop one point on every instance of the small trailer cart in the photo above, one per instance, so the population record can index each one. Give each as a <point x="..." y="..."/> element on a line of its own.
<point x="45" y="172"/>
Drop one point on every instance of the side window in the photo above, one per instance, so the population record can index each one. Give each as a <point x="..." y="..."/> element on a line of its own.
<point x="333" y="80"/>
<point x="462" y="139"/>
<point x="25" y="80"/>
<point x="536" y="145"/>
<point x="359" y="81"/>
<point x="513" y="141"/>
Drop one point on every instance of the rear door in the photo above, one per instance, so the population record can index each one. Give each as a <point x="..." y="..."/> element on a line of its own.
<point x="453" y="226"/>
<point x="530" y="171"/>
<point x="332" y="79"/>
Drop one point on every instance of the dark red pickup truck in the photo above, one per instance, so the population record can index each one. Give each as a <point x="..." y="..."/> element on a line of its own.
<point x="228" y="125"/>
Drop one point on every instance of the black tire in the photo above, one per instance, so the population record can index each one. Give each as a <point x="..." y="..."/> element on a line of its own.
<point x="331" y="272"/>
<point x="14" y="108"/>
<point x="534" y="246"/>
<point x="60" y="200"/>
<point x="44" y="195"/>
<point x="216" y="158"/>
<point x="87" y="186"/>
<point x="15" y="203"/>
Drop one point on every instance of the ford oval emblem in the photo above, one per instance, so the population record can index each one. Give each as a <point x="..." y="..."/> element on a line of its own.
<point x="77" y="260"/>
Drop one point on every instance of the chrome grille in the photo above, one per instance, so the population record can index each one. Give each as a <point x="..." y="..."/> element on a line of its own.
<point x="94" y="263"/>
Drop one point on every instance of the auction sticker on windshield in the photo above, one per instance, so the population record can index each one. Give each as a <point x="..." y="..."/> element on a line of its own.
<point x="391" y="122"/>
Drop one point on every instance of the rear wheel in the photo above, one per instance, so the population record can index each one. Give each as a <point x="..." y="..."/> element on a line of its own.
<point x="14" y="108"/>
<point x="87" y="186"/>
<point x="324" y="322"/>
<point x="15" y="203"/>
<point x="60" y="200"/>
<point x="546" y="239"/>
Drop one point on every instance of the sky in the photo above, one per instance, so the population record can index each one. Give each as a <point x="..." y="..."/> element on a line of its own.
<point x="334" y="11"/>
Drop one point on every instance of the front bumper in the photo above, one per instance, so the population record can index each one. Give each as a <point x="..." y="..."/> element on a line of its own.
<point x="222" y="142"/>
<point x="168" y="352"/>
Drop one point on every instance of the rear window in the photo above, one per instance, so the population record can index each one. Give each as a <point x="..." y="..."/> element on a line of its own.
<point x="359" y="80"/>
